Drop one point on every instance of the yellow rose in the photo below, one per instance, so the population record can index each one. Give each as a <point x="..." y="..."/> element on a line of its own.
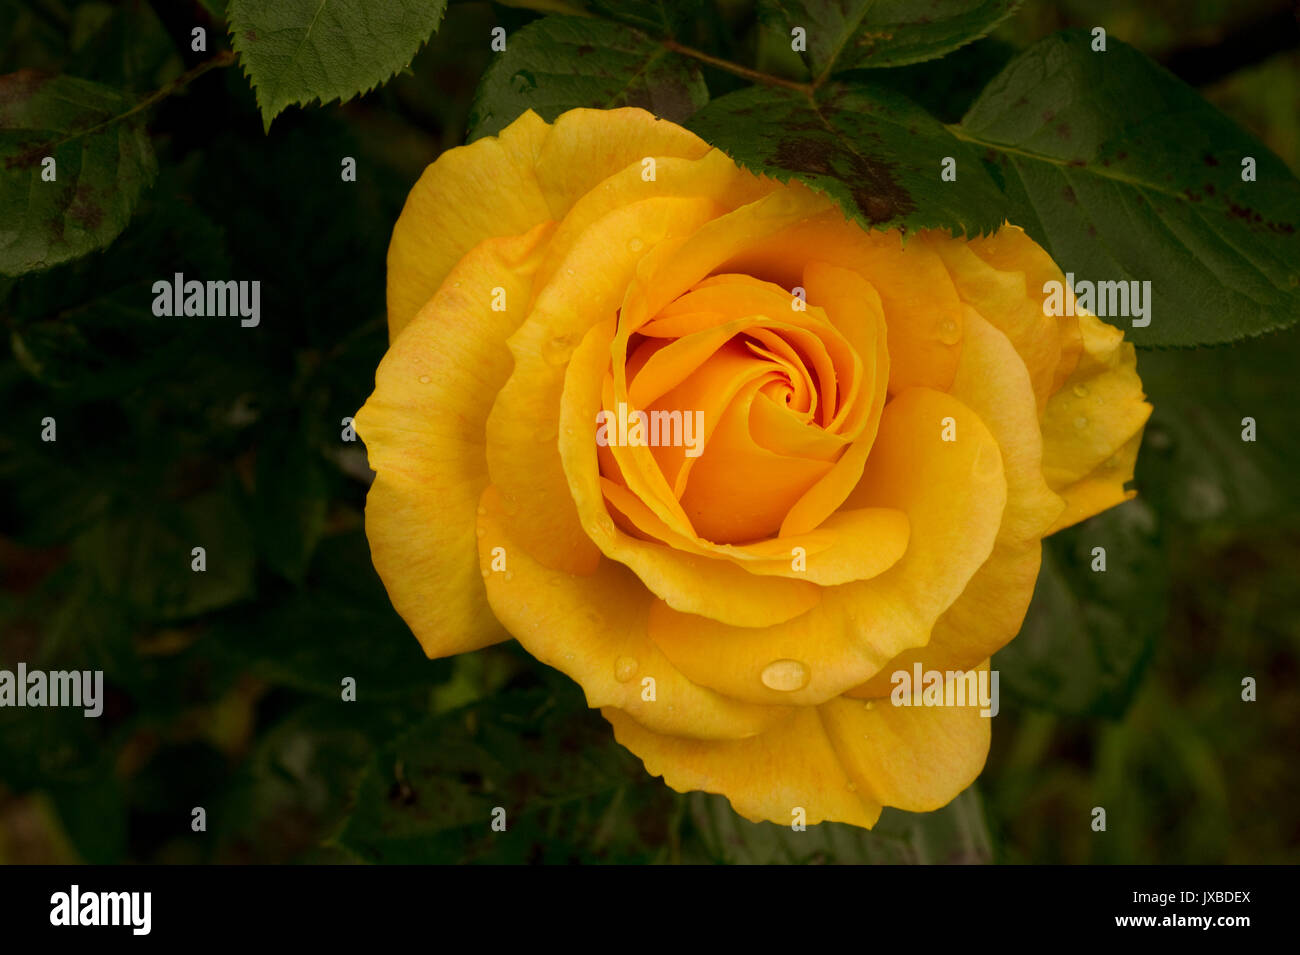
<point x="889" y="429"/>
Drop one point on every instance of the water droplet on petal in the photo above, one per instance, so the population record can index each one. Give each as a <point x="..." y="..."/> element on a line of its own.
<point x="635" y="245"/>
<point x="785" y="675"/>
<point x="558" y="350"/>
<point x="484" y="571"/>
<point x="424" y="379"/>
<point x="949" y="332"/>
<point x="871" y="704"/>
<point x="624" y="669"/>
<point x="1081" y="422"/>
<point x="1080" y="391"/>
<point x="481" y="532"/>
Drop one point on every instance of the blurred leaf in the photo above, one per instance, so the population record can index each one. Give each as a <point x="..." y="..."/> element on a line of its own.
<point x="870" y="149"/>
<point x="954" y="834"/>
<point x="299" y="780"/>
<point x="289" y="501"/>
<point x="94" y="817"/>
<point x="103" y="160"/>
<point x="671" y="18"/>
<point x="297" y="51"/>
<point x="856" y="34"/>
<point x="560" y="63"/>
<point x="1089" y="634"/>
<point x="948" y="87"/>
<point x="1194" y="464"/>
<point x="281" y="640"/>
<point x="144" y="557"/>
<point x="552" y="765"/>
<point x="124" y="45"/>
<point x="1123" y="172"/>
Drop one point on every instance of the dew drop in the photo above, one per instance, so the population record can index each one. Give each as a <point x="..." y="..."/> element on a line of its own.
<point x="424" y="379"/>
<point x="1081" y="422"/>
<point x="785" y="675"/>
<point x="482" y="511"/>
<point x="871" y="705"/>
<point x="557" y="350"/>
<point x="1080" y="391"/>
<point x="635" y="245"/>
<point x="624" y="669"/>
<point x="484" y="571"/>
<point x="949" y="332"/>
<point x="481" y="531"/>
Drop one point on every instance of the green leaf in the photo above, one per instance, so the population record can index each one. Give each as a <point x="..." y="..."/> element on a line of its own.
<point x="289" y="502"/>
<point x="550" y="763"/>
<point x="860" y="34"/>
<point x="957" y="833"/>
<point x="281" y="640"/>
<point x="560" y="63"/>
<point x="102" y="162"/>
<point x="143" y="556"/>
<point x="870" y="149"/>
<point x="661" y="17"/>
<point x="1089" y="633"/>
<point x="1194" y="464"/>
<point x="296" y="51"/>
<point x="1124" y="173"/>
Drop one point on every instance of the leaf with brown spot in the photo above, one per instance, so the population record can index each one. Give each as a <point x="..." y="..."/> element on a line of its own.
<point x="103" y="161"/>
<point x="1146" y="188"/>
<point x="873" y="151"/>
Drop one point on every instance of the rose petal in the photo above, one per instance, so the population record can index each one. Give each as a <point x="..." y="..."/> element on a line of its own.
<point x="917" y="758"/>
<point x="523" y="459"/>
<point x="688" y="580"/>
<point x="765" y="778"/>
<point x="1093" y="425"/>
<point x="953" y="494"/>
<point x="423" y="428"/>
<point x="593" y="628"/>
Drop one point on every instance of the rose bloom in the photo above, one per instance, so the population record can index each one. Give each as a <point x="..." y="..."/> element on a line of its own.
<point x="890" y="428"/>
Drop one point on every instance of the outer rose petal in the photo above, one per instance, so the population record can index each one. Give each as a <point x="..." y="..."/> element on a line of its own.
<point x="916" y="758"/>
<point x="764" y="777"/>
<point x="1092" y="427"/>
<point x="446" y="214"/>
<point x="505" y="185"/>
<point x="594" y="629"/>
<point x="424" y="432"/>
<point x="841" y="761"/>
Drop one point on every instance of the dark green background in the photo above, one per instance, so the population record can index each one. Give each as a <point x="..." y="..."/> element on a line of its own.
<point x="223" y="688"/>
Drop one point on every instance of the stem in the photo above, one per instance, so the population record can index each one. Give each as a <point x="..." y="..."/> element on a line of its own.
<point x="224" y="58"/>
<point x="754" y="76"/>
